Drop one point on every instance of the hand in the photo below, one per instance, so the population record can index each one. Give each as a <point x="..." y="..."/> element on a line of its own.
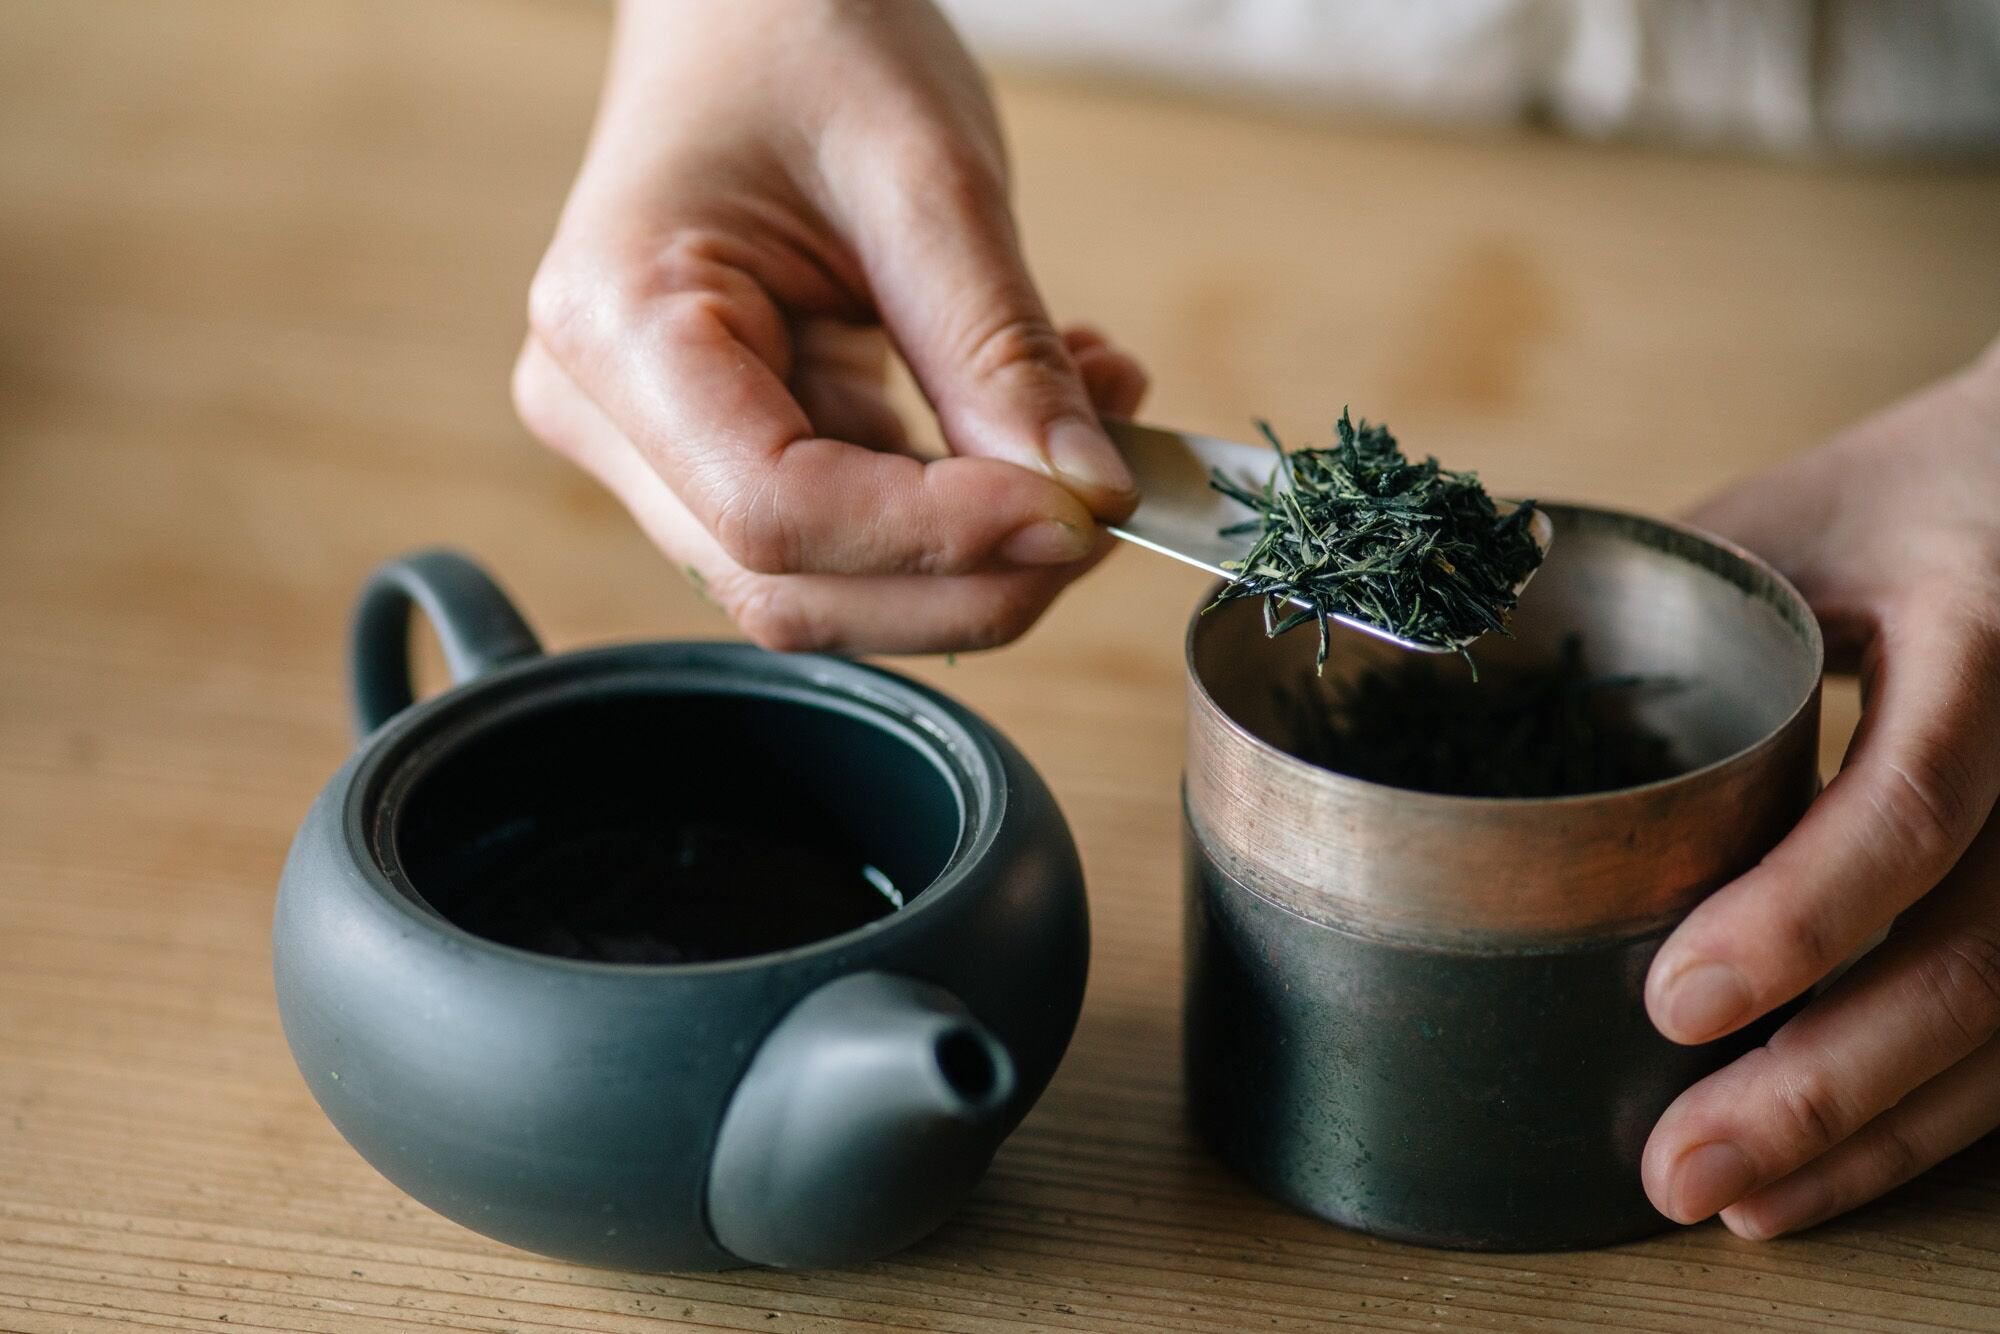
<point x="772" y="187"/>
<point x="1892" y="532"/>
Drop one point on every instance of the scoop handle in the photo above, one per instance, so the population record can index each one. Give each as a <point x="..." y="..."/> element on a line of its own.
<point x="475" y="622"/>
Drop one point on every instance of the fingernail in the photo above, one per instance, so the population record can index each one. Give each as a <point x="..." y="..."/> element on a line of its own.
<point x="1705" y="1000"/>
<point x="1745" y="1225"/>
<point x="1046" y="542"/>
<point x="1784" y="1206"/>
<point x="1709" y="1176"/>
<point x="1080" y="451"/>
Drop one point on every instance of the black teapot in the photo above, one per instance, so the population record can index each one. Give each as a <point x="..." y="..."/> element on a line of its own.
<point x="672" y="956"/>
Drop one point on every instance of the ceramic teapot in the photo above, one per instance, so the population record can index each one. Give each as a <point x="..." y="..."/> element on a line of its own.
<point x="571" y="951"/>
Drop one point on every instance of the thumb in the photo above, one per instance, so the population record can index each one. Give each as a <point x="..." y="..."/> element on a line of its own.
<point x="952" y="288"/>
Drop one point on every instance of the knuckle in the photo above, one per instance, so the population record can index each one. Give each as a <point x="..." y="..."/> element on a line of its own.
<point x="1813" y="1112"/>
<point x="687" y="259"/>
<point x="697" y="288"/>
<point x="562" y="297"/>
<point x="680" y="285"/>
<point x="1961" y="976"/>
<point x="689" y="318"/>
<point x="751" y="524"/>
<point x="686" y="286"/>
<point x="953" y="174"/>
<point x="1892" y="1156"/>
<point x="1802" y="939"/>
<point x="938" y="542"/>
<point x="1014" y="343"/>
<point x="1931" y="798"/>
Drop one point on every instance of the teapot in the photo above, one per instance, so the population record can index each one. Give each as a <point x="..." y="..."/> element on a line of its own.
<point x="671" y="956"/>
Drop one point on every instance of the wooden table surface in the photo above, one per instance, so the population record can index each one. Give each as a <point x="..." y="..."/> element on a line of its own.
<point x="261" y="276"/>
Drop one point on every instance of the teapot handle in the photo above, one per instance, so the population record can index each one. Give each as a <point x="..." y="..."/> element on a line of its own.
<point x="475" y="622"/>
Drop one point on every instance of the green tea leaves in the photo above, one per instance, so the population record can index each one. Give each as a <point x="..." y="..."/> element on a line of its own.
<point x="1358" y="530"/>
<point x="1552" y="730"/>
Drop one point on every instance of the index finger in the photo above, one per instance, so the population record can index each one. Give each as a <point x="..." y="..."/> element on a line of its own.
<point x="690" y="366"/>
<point x="1920" y="779"/>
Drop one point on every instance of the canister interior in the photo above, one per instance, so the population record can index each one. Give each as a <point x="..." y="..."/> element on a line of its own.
<point x="1727" y="651"/>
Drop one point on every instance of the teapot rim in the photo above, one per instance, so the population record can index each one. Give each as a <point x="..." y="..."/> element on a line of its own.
<point x="959" y="743"/>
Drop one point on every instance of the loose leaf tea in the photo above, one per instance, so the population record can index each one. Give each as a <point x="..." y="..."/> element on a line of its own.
<point x="1358" y="530"/>
<point x="1552" y="731"/>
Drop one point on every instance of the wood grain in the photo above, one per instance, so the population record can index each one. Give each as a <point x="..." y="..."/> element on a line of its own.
<point x="263" y="268"/>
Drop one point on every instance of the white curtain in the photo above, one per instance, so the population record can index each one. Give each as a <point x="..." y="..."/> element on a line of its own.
<point x="1889" y="76"/>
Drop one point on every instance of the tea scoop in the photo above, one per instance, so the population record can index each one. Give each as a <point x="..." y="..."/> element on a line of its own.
<point x="1182" y="516"/>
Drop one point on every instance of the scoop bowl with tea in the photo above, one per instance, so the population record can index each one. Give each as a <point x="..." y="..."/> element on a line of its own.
<point x="1183" y="514"/>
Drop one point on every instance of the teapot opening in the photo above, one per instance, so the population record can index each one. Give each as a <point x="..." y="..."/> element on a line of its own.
<point x="629" y="826"/>
<point x="966" y="1061"/>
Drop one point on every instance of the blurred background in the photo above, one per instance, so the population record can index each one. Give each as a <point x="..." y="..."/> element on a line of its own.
<point x="262" y="275"/>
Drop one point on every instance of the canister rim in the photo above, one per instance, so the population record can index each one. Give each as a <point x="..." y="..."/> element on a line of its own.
<point x="1473" y="871"/>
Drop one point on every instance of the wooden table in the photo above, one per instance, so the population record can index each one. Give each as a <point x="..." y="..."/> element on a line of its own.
<point x="261" y="276"/>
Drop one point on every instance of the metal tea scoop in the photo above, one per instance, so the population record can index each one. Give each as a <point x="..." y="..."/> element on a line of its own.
<point x="1181" y="515"/>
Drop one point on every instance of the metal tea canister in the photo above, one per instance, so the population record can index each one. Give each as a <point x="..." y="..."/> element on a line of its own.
<point x="1422" y="1015"/>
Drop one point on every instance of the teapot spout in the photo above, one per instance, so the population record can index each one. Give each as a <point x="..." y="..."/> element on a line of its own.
<point x="867" y="1114"/>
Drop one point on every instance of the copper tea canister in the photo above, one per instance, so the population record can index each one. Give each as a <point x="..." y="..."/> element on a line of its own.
<point x="1422" y="1015"/>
